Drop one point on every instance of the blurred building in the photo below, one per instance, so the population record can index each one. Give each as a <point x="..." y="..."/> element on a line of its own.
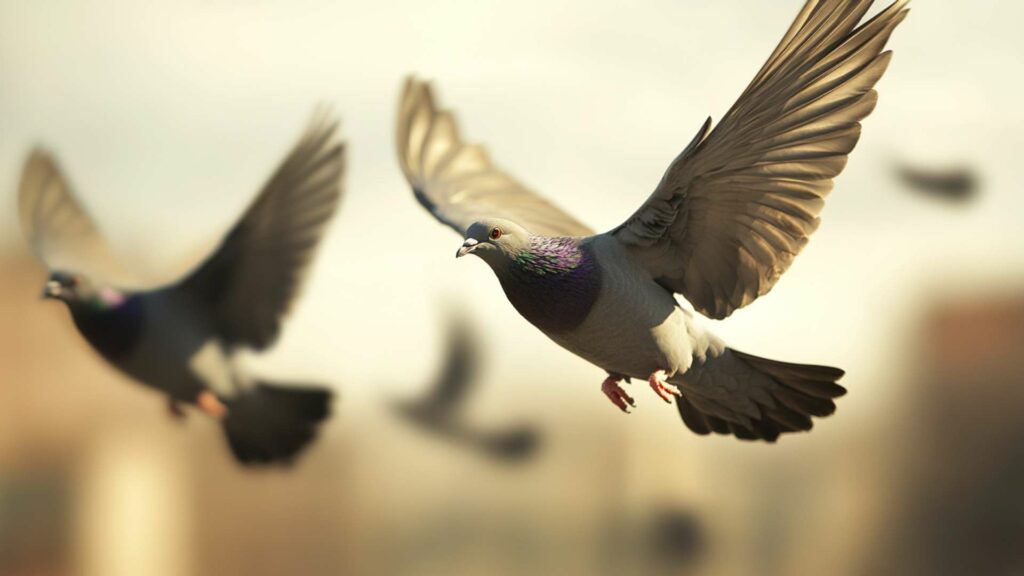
<point x="961" y="507"/>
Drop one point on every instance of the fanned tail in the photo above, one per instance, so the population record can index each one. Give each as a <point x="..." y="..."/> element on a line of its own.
<point x="755" y="398"/>
<point x="272" y="423"/>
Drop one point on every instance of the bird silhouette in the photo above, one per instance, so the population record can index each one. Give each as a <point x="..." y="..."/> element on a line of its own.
<point x="441" y="410"/>
<point x="181" y="338"/>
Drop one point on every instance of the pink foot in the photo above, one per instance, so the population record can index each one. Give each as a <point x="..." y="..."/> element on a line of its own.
<point x="209" y="403"/>
<point x="662" y="389"/>
<point x="616" y="394"/>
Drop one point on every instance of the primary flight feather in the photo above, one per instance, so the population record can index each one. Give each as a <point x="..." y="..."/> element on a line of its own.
<point x="726" y="220"/>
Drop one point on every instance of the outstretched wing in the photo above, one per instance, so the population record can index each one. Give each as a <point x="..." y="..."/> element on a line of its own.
<point x="457" y="182"/>
<point x="738" y="204"/>
<point x="250" y="281"/>
<point x="58" y="229"/>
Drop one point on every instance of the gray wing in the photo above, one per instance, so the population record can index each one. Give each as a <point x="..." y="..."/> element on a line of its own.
<point x="734" y="209"/>
<point x="57" y="227"/>
<point x="251" y="279"/>
<point x="457" y="182"/>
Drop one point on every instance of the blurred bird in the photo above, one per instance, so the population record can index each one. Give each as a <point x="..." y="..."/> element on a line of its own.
<point x="181" y="338"/>
<point x="726" y="220"/>
<point x="954" y="184"/>
<point x="441" y="410"/>
<point x="676" y="537"/>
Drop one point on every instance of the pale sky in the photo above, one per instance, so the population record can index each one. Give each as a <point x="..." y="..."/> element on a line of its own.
<point x="168" y="116"/>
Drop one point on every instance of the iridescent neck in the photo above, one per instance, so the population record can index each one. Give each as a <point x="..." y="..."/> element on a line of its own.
<point x="547" y="255"/>
<point x="104" y="300"/>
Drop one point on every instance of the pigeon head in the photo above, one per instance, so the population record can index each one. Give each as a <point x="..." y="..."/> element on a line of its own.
<point x="495" y="241"/>
<point x="76" y="290"/>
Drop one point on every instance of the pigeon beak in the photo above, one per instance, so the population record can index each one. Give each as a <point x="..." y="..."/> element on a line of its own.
<point x="467" y="247"/>
<point x="51" y="290"/>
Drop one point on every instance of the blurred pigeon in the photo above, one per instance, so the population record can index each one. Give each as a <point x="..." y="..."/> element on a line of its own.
<point x="724" y="223"/>
<point x="181" y="338"/>
<point x="954" y="184"/>
<point x="440" y="411"/>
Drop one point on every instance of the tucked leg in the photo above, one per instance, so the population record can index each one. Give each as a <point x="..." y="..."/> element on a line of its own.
<point x="208" y="402"/>
<point x="662" y="388"/>
<point x="616" y="394"/>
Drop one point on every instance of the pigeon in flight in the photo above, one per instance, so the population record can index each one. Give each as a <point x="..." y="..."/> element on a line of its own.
<point x="954" y="184"/>
<point x="725" y="221"/>
<point x="441" y="410"/>
<point x="180" y="338"/>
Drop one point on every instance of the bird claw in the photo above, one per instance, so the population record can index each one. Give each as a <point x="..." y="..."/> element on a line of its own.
<point x="175" y="409"/>
<point x="616" y="394"/>
<point x="663" y="389"/>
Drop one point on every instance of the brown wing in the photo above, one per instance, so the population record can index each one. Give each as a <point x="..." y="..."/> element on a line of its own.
<point x="738" y="204"/>
<point x="57" y="227"/>
<point x="456" y="182"/>
<point x="250" y="281"/>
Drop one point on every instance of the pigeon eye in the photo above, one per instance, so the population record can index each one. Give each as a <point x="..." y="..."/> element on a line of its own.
<point x="495" y="234"/>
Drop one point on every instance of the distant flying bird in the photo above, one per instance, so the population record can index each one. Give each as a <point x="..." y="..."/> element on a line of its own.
<point x="181" y="338"/>
<point x="442" y="410"/>
<point x="724" y="223"/>
<point x="953" y="184"/>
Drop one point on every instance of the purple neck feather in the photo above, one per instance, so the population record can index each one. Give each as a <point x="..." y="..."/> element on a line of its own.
<point x="553" y="283"/>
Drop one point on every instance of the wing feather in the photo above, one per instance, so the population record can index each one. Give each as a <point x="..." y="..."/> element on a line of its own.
<point x="740" y="202"/>
<point x="59" y="230"/>
<point x="255" y="273"/>
<point x="457" y="182"/>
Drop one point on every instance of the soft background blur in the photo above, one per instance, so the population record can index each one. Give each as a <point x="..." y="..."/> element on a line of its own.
<point x="167" y="117"/>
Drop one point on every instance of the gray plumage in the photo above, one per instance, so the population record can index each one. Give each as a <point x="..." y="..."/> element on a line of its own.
<point x="726" y="220"/>
<point x="181" y="338"/>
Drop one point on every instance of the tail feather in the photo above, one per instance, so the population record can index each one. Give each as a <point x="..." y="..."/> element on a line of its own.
<point x="272" y="423"/>
<point x="717" y="396"/>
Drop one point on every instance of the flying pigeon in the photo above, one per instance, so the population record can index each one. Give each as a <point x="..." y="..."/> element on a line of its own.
<point x="725" y="221"/>
<point x="953" y="184"/>
<point x="181" y="338"/>
<point x="441" y="410"/>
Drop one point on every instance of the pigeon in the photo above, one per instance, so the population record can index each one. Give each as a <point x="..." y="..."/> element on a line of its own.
<point x="953" y="184"/>
<point x="180" y="338"/>
<point x="440" y="410"/>
<point x="726" y="220"/>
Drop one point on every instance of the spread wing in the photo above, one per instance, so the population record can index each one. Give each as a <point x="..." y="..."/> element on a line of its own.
<point x="735" y="208"/>
<point x="251" y="279"/>
<point x="457" y="182"/>
<point x="58" y="229"/>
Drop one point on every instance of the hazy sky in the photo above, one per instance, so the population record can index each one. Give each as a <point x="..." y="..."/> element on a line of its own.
<point x="168" y="116"/>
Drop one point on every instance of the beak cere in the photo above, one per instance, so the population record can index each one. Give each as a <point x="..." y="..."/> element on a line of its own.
<point x="468" y="246"/>
<point x="52" y="289"/>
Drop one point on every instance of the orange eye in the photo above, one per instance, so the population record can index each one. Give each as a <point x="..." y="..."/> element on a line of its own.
<point x="495" y="234"/>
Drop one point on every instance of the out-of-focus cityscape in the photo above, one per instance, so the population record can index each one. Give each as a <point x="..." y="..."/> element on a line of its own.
<point x="167" y="117"/>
